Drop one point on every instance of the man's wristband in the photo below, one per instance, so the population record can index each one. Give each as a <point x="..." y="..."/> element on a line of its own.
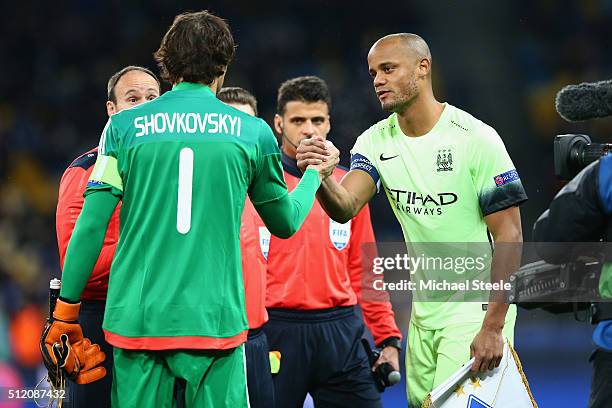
<point x="391" y="342"/>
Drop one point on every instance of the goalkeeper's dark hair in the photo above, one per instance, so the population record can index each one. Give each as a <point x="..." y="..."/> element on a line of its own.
<point x="303" y="89"/>
<point x="198" y="47"/>
<point x="112" y="82"/>
<point x="237" y="95"/>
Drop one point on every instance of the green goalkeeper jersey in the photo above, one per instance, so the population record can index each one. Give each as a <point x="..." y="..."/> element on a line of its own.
<point x="182" y="165"/>
<point x="440" y="187"/>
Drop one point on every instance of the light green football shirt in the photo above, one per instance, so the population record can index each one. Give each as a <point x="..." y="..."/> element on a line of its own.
<point x="441" y="186"/>
<point x="183" y="165"/>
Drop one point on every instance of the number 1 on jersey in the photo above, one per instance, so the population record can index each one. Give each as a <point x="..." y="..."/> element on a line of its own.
<point x="185" y="184"/>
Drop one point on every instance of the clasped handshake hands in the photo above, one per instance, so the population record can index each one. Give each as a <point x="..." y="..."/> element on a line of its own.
<point x="319" y="154"/>
<point x="66" y="353"/>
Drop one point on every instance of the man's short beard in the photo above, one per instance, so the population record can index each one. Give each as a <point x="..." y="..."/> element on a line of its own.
<point x="401" y="105"/>
<point x="404" y="100"/>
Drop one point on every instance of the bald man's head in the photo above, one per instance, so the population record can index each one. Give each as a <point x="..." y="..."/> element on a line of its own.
<point x="400" y="65"/>
<point x="414" y="45"/>
<point x="411" y="45"/>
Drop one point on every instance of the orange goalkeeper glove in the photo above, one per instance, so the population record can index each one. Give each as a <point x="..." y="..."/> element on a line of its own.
<point x="65" y="350"/>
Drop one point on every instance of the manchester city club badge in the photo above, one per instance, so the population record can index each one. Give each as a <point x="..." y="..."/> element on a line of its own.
<point x="444" y="160"/>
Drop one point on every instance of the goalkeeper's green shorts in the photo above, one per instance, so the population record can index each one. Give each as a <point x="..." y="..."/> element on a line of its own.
<point x="145" y="378"/>
<point x="432" y="356"/>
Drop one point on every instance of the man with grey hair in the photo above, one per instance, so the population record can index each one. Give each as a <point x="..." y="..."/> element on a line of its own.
<point x="448" y="178"/>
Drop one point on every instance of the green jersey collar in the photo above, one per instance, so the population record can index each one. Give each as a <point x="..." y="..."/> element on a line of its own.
<point x="192" y="86"/>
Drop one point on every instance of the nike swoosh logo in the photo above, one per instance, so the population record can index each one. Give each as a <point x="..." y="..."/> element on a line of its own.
<point x="382" y="158"/>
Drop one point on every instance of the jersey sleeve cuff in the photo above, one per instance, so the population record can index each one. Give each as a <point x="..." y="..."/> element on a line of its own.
<point x="499" y="205"/>
<point x="95" y="187"/>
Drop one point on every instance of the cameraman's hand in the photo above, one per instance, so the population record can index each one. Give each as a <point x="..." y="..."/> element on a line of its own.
<point x="319" y="154"/>
<point x="388" y="355"/>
